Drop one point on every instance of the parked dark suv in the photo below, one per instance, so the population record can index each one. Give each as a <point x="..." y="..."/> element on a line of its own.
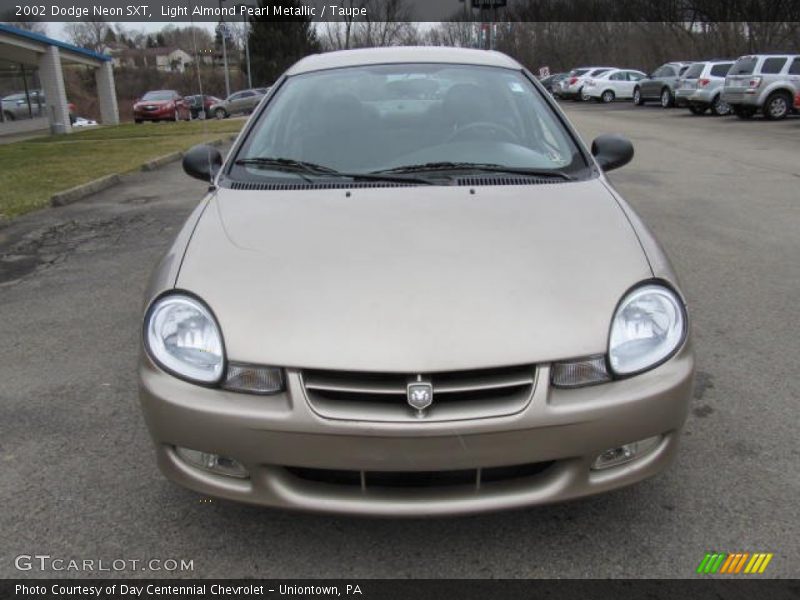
<point x="660" y="84"/>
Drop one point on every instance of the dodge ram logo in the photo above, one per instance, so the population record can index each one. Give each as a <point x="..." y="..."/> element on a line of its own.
<point x="420" y="394"/>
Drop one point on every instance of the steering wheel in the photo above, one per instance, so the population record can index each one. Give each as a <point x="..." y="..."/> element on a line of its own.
<point x="491" y="128"/>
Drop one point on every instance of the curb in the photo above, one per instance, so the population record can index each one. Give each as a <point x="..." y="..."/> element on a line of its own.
<point x="98" y="185"/>
<point x="87" y="189"/>
<point x="154" y="164"/>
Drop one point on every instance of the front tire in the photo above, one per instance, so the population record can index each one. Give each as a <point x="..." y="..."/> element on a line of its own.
<point x="220" y="113"/>
<point x="777" y="106"/>
<point x="667" y="100"/>
<point x="608" y="97"/>
<point x="637" y="97"/>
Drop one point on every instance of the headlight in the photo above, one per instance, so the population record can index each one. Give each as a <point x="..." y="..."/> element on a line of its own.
<point x="182" y="336"/>
<point x="648" y="327"/>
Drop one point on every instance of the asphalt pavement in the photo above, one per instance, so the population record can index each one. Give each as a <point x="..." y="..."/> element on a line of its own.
<point x="77" y="475"/>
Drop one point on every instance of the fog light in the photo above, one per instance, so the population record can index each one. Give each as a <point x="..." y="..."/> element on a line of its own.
<point x="623" y="454"/>
<point x="214" y="463"/>
<point x="578" y="373"/>
<point x="253" y="379"/>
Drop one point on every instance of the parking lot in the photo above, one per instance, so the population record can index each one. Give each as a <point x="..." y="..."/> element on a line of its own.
<point x="79" y="480"/>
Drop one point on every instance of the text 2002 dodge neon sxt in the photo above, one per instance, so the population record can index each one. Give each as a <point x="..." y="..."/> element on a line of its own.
<point x="411" y="290"/>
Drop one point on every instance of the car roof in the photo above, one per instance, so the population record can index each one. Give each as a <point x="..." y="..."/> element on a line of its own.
<point x="402" y="54"/>
<point x="768" y="56"/>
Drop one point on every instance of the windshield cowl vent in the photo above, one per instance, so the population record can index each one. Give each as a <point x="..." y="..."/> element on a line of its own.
<point x="481" y="180"/>
<point x="322" y="185"/>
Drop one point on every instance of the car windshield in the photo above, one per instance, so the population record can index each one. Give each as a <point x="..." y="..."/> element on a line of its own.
<point x="744" y="66"/>
<point x="408" y="117"/>
<point x="161" y="95"/>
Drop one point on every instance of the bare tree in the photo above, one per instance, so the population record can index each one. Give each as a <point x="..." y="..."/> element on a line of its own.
<point x="87" y="34"/>
<point x="387" y="23"/>
<point x="32" y="26"/>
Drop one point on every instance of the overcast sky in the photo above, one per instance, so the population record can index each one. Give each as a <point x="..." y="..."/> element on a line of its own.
<point x="56" y="30"/>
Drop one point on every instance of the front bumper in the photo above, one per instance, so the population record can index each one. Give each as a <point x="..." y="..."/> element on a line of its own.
<point x="160" y="114"/>
<point x="273" y="436"/>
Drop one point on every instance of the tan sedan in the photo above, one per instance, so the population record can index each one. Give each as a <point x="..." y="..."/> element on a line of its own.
<point x="411" y="290"/>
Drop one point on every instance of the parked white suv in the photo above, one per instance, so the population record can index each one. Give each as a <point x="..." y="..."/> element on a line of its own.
<point x="765" y="82"/>
<point x="614" y="84"/>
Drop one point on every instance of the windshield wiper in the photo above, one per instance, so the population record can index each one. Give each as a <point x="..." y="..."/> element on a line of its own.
<point x="302" y="167"/>
<point x="468" y="166"/>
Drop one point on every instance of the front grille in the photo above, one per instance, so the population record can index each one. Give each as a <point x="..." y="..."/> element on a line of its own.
<point x="419" y="479"/>
<point x="457" y="395"/>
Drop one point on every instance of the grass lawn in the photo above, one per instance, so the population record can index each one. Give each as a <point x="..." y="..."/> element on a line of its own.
<point x="33" y="170"/>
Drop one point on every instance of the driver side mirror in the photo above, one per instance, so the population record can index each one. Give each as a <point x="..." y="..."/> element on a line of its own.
<point x="612" y="151"/>
<point x="202" y="162"/>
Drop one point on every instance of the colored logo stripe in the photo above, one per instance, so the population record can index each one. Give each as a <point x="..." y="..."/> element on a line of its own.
<point x="734" y="564"/>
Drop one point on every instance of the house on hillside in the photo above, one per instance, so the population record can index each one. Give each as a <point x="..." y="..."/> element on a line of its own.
<point x="168" y="59"/>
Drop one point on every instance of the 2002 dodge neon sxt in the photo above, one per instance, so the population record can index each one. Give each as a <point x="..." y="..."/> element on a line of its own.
<point x="411" y="290"/>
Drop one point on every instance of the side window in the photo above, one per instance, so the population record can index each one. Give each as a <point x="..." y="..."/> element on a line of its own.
<point x="633" y="76"/>
<point x="721" y="70"/>
<point x="794" y="69"/>
<point x="667" y="72"/>
<point x="246" y="94"/>
<point x="235" y="96"/>
<point x="618" y="76"/>
<point x="772" y="66"/>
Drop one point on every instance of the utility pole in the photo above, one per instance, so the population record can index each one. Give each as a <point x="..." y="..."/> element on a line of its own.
<point x="246" y="23"/>
<point x="223" y="32"/>
<point x="247" y="51"/>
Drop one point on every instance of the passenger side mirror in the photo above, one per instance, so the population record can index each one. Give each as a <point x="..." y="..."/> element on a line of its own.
<point x="612" y="151"/>
<point x="202" y="162"/>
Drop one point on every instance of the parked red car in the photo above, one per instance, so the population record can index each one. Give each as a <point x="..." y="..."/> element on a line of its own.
<point x="797" y="101"/>
<point x="161" y="105"/>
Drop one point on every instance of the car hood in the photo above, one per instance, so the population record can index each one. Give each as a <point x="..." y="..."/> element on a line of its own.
<point x="414" y="279"/>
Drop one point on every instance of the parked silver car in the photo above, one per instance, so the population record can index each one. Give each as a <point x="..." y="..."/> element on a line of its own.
<point x="660" y="84"/>
<point x="30" y="105"/>
<point x="700" y="88"/>
<point x="572" y="87"/>
<point x="243" y="101"/>
<point x="16" y="106"/>
<point x="405" y="307"/>
<point x="765" y="82"/>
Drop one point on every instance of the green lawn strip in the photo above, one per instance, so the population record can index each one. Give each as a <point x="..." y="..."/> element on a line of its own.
<point x="32" y="171"/>
<point x="150" y="130"/>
